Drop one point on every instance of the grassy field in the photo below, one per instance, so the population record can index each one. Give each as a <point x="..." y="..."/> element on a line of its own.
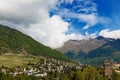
<point x="17" y="60"/>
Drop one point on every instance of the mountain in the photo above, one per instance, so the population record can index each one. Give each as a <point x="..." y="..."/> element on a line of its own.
<point x="92" y="51"/>
<point x="83" y="45"/>
<point x="13" y="41"/>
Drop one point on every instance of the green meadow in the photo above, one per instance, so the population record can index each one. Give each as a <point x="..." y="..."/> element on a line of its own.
<point x="17" y="60"/>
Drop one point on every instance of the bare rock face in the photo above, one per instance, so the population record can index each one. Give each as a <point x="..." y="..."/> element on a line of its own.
<point x="83" y="45"/>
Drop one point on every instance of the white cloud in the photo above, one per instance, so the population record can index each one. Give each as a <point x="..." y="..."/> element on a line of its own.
<point x="90" y="19"/>
<point x="50" y="32"/>
<point x="66" y="1"/>
<point x="110" y="34"/>
<point x="24" y="11"/>
<point x="84" y="11"/>
<point x="90" y="36"/>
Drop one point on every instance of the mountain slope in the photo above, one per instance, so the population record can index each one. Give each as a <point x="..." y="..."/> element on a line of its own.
<point x="13" y="41"/>
<point x="93" y="51"/>
<point x="83" y="45"/>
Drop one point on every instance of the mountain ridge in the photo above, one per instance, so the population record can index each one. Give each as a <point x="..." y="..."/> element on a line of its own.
<point x="77" y="45"/>
<point x="92" y="51"/>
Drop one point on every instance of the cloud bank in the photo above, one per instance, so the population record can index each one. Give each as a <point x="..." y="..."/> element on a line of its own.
<point x="32" y="18"/>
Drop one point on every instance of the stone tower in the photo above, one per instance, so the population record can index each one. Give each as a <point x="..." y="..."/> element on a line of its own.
<point x="108" y="68"/>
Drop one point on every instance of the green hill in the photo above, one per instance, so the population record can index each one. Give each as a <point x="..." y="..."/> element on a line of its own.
<point x="13" y="41"/>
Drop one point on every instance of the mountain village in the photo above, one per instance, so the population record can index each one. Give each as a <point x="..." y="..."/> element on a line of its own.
<point x="45" y="66"/>
<point x="42" y="68"/>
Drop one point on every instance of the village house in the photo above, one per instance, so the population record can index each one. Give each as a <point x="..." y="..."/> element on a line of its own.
<point x="108" y="68"/>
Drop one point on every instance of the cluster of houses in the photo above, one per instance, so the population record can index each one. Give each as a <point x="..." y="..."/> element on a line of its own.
<point x="42" y="68"/>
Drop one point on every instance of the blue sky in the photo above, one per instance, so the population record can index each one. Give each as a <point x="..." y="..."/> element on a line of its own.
<point x="53" y="22"/>
<point x="109" y="10"/>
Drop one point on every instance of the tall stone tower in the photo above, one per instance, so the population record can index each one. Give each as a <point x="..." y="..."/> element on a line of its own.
<point x="107" y="68"/>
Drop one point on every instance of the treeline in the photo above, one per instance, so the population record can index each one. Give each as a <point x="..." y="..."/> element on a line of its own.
<point x="87" y="73"/>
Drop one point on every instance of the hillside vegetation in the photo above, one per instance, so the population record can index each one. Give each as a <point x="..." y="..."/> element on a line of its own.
<point x="13" y="41"/>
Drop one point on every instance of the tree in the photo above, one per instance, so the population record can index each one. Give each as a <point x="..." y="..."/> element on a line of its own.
<point x="115" y="76"/>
